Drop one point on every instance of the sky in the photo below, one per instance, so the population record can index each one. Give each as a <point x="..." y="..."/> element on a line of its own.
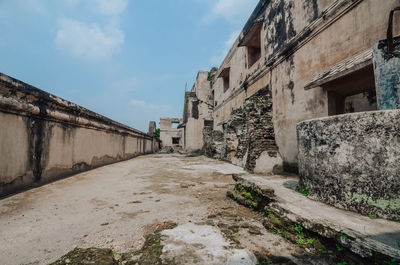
<point x="128" y="60"/>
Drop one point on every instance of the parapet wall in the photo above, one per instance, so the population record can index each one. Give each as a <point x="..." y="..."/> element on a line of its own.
<point x="44" y="138"/>
<point x="353" y="161"/>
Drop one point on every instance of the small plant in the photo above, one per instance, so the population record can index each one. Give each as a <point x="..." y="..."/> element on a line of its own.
<point x="392" y="262"/>
<point x="304" y="192"/>
<point x="310" y="241"/>
<point x="298" y="228"/>
<point x="372" y="217"/>
<point x="248" y="195"/>
<point x="339" y="248"/>
<point x="271" y="215"/>
<point x="344" y="236"/>
<point x="253" y="205"/>
<point x="300" y="241"/>
<point x="342" y="263"/>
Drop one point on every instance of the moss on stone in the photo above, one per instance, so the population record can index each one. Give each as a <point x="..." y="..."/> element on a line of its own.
<point x="81" y="256"/>
<point x="149" y="254"/>
<point x="249" y="196"/>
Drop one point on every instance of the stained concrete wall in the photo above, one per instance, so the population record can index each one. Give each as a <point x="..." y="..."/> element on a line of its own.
<point x="44" y="138"/>
<point x="197" y="111"/>
<point x="299" y="40"/>
<point x="387" y="69"/>
<point x="352" y="161"/>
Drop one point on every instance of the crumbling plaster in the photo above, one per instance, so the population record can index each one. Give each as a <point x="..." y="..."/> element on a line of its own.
<point x="352" y="161"/>
<point x="198" y="110"/>
<point x="300" y="39"/>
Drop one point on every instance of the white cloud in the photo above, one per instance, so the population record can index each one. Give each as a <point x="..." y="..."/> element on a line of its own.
<point x="232" y="38"/>
<point x="217" y="60"/>
<point x="234" y="11"/>
<point x="103" y="7"/>
<point x="9" y="7"/>
<point x="110" y="7"/>
<point x="144" y="104"/>
<point x="71" y="2"/>
<point x="138" y="103"/>
<point x="88" y="40"/>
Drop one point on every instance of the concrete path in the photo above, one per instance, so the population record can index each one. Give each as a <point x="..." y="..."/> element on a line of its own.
<point x="116" y="206"/>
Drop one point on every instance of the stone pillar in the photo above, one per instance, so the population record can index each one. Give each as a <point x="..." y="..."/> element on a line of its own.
<point x="152" y="128"/>
<point x="387" y="75"/>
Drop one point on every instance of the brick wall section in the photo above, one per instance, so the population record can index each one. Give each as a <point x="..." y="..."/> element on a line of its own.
<point x="248" y="133"/>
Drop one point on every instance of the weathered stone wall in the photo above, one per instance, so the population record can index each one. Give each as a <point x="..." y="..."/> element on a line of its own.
<point x="44" y="138"/>
<point x="250" y="133"/>
<point x="387" y="71"/>
<point x="214" y="143"/>
<point x="249" y="137"/>
<point x="299" y="40"/>
<point x="352" y="161"/>
<point x="197" y="111"/>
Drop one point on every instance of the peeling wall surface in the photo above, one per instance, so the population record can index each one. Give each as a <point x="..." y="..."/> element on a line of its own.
<point x="248" y="139"/>
<point x="352" y="161"/>
<point x="44" y="138"/>
<point x="387" y="69"/>
<point x="300" y="39"/>
<point x="197" y="111"/>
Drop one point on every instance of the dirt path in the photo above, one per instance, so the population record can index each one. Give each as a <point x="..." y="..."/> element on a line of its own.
<point x="114" y="207"/>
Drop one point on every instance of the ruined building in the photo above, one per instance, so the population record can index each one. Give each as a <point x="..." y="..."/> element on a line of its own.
<point x="170" y="134"/>
<point x="296" y="61"/>
<point x="197" y="113"/>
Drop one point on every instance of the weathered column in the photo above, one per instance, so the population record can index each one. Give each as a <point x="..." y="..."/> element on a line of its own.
<point x="386" y="59"/>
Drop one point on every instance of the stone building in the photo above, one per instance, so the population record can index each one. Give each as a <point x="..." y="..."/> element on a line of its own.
<point x="197" y="112"/>
<point x="279" y="95"/>
<point x="170" y="134"/>
<point x="312" y="58"/>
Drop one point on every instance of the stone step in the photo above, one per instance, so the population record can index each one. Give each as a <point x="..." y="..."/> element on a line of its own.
<point x="360" y="234"/>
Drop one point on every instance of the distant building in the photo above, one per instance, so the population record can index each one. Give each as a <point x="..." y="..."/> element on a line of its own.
<point x="170" y="134"/>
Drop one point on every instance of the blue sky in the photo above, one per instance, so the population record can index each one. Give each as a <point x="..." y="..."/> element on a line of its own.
<point x="128" y="60"/>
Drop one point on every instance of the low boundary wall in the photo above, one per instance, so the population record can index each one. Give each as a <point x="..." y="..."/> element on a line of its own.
<point x="44" y="138"/>
<point x="352" y="161"/>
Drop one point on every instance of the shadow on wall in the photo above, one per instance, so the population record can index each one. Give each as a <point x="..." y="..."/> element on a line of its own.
<point x="48" y="138"/>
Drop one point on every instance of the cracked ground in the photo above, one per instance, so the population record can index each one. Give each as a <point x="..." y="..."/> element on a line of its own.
<point x="116" y="207"/>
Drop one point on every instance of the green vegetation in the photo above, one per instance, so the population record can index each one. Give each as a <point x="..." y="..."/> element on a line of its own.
<point x="293" y="232"/>
<point x="392" y="262"/>
<point x="301" y="238"/>
<point x="88" y="256"/>
<point x="150" y="254"/>
<point x="158" y="133"/>
<point x="245" y="196"/>
<point x="304" y="192"/>
<point x="339" y="248"/>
